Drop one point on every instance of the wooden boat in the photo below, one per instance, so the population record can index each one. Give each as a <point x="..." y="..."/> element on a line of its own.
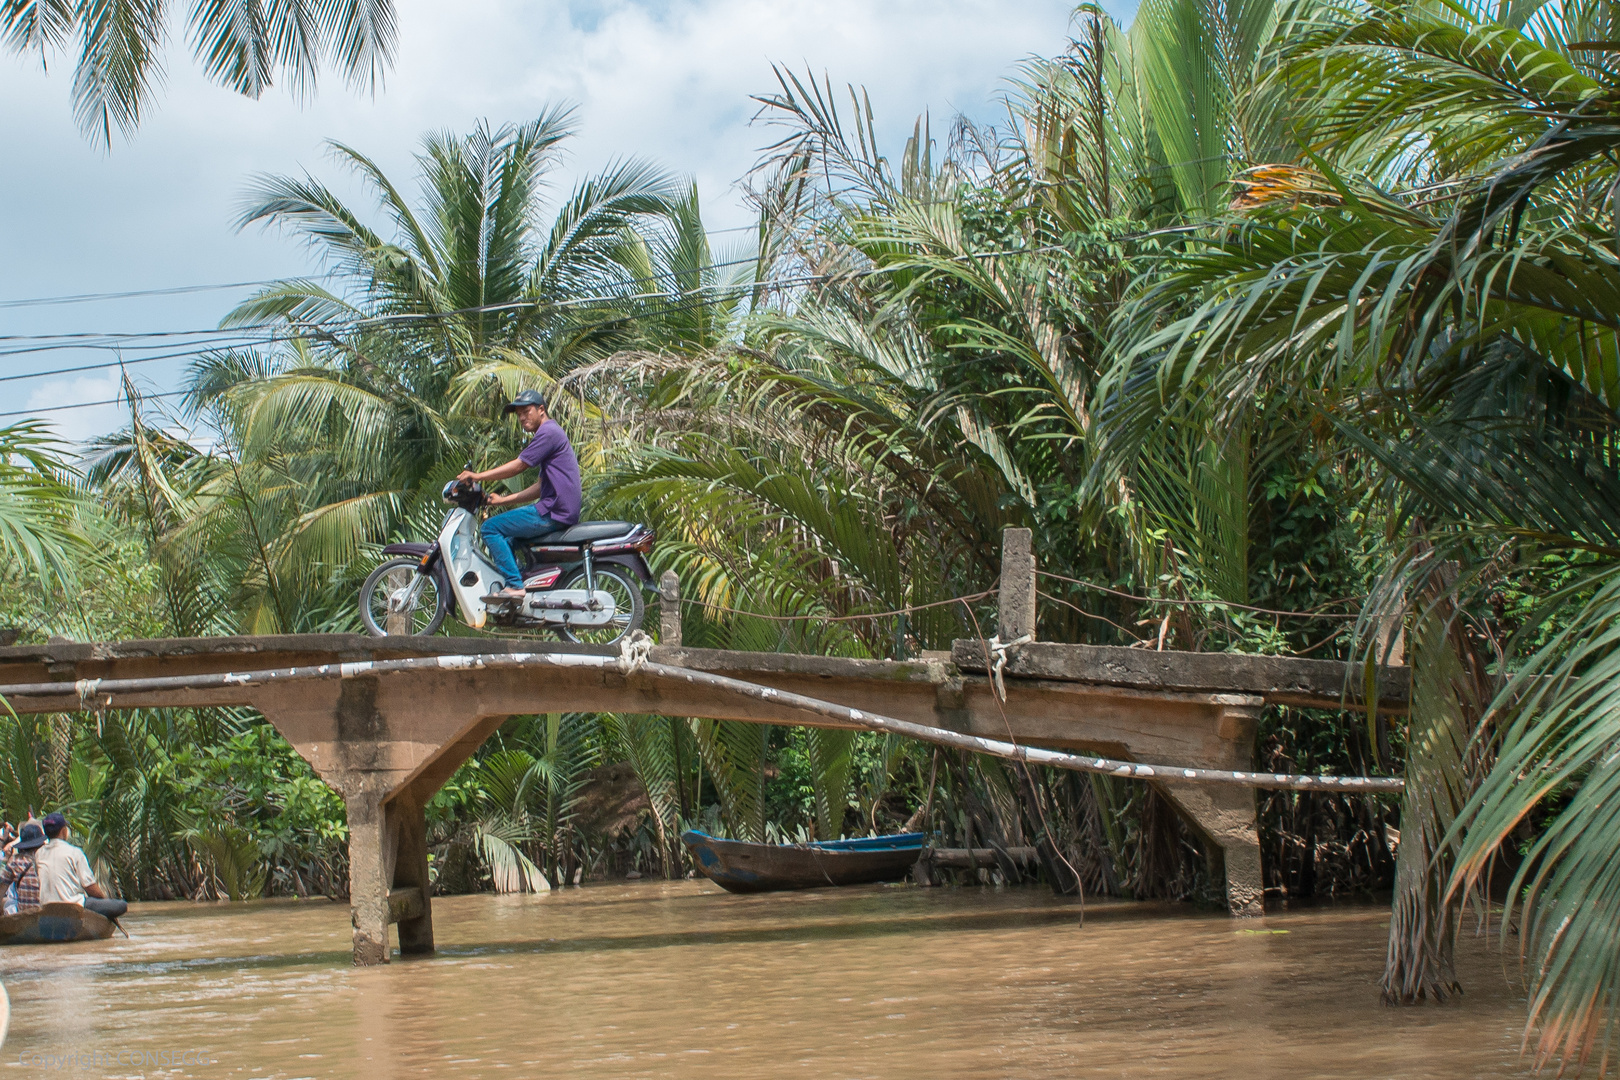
<point x="54" y="923"/>
<point x="741" y="867"/>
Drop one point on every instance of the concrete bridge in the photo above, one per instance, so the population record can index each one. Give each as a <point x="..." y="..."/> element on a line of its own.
<point x="386" y="721"/>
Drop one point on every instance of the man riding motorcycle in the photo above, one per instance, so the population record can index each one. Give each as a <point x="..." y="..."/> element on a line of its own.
<point x="555" y="493"/>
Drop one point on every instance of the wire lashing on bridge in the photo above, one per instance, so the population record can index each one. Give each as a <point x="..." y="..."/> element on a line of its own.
<point x="711" y="606"/>
<point x="633" y="662"/>
<point x="1169" y="601"/>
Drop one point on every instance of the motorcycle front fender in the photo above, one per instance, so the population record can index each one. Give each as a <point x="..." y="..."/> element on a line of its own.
<point x="631" y="561"/>
<point x="414" y="550"/>
<point x="418" y="551"/>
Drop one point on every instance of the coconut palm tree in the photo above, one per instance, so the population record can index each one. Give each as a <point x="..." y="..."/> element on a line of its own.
<point x="1441" y="289"/>
<point x="243" y="47"/>
<point x="39" y="533"/>
<point x="918" y="373"/>
<point x="335" y="436"/>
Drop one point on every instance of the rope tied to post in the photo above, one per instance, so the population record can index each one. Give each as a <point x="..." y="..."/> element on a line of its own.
<point x="634" y="650"/>
<point x="999" y="650"/>
<point x="87" y="689"/>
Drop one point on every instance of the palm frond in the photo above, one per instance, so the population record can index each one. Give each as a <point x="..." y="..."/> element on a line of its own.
<point x="119" y="67"/>
<point x="733" y="753"/>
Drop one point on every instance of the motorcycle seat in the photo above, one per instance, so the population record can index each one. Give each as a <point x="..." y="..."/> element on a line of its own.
<point x="583" y="533"/>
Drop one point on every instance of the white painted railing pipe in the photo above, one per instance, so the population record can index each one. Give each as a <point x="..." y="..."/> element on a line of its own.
<point x="1034" y="755"/>
<point x="100" y="694"/>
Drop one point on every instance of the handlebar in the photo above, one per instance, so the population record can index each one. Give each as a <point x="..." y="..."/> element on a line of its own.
<point x="467" y="495"/>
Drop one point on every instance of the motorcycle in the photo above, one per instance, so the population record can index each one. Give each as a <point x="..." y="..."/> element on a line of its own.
<point x="583" y="582"/>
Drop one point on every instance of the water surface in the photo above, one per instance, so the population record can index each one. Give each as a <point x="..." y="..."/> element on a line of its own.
<point x="682" y="980"/>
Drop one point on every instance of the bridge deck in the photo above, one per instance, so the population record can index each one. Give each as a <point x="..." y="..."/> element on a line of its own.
<point x="1276" y="679"/>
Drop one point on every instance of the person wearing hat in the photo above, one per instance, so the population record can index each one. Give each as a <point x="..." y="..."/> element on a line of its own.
<point x="21" y="871"/>
<point x="65" y="875"/>
<point x="555" y="493"/>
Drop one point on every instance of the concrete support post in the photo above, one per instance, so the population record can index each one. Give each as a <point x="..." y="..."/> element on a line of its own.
<point x="1016" y="616"/>
<point x="669" y="609"/>
<point x="408" y="824"/>
<point x="1226" y="816"/>
<point x="388" y="873"/>
<point x="372" y="851"/>
<point x="398" y="622"/>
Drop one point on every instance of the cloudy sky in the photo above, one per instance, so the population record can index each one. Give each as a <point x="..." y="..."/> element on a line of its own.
<point x="664" y="80"/>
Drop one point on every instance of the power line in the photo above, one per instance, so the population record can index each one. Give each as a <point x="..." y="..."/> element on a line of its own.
<point x="176" y="290"/>
<point x="708" y="297"/>
<point x="122" y="338"/>
<point x="243" y="335"/>
<point x="671" y="309"/>
<point x="179" y="393"/>
<point x="130" y="362"/>
<point x="83" y="339"/>
<point x="119" y="338"/>
<point x="74" y="340"/>
<point x="224" y="341"/>
<point x="131" y="294"/>
<point x="90" y="404"/>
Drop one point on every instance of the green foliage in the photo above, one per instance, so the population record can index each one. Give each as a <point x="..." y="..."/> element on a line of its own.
<point x="1434" y="291"/>
<point x="245" y="48"/>
<point x="40" y="536"/>
<point x="734" y="753"/>
<point x="652" y="746"/>
<point x="831" y="756"/>
<point x="235" y="857"/>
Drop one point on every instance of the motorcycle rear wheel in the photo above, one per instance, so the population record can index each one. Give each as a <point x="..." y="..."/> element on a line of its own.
<point x="629" y="609"/>
<point x="426" y="613"/>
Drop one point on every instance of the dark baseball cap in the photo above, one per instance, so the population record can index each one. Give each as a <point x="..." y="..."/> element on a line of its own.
<point x="527" y="397"/>
<point x="54" y="823"/>
<point x="30" y="836"/>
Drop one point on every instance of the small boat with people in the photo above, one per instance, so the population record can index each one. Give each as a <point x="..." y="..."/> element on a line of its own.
<point x="50" y="893"/>
<point x="54" y="923"/>
<point x="740" y="866"/>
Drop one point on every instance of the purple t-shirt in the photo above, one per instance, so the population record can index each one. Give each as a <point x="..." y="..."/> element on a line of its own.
<point x="552" y="453"/>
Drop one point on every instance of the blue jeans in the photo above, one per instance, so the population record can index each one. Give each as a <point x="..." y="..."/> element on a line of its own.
<point x="524" y="523"/>
<point x="111" y="909"/>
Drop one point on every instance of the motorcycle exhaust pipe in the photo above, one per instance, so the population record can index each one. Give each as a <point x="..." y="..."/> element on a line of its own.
<point x="562" y="605"/>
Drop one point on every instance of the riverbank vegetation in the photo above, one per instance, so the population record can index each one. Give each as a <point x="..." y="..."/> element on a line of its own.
<point x="1288" y="328"/>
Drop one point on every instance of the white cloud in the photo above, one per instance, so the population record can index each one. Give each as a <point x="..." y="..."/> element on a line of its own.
<point x="77" y="424"/>
<point x="669" y="82"/>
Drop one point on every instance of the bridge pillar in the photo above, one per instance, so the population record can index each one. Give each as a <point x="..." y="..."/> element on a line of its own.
<point x="388" y="872"/>
<point x="1225" y="815"/>
<point x="372" y="852"/>
<point x="410" y="900"/>
<point x="385" y="745"/>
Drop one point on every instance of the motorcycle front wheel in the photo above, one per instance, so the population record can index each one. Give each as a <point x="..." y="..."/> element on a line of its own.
<point x="397" y="600"/>
<point x="628" y="608"/>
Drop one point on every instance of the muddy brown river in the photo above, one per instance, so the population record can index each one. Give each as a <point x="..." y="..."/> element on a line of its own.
<point x="682" y="980"/>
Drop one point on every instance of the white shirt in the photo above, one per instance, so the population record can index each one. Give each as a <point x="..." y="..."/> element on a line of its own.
<point x="63" y="873"/>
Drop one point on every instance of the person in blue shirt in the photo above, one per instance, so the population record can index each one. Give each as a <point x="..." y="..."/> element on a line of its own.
<point x="555" y="493"/>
